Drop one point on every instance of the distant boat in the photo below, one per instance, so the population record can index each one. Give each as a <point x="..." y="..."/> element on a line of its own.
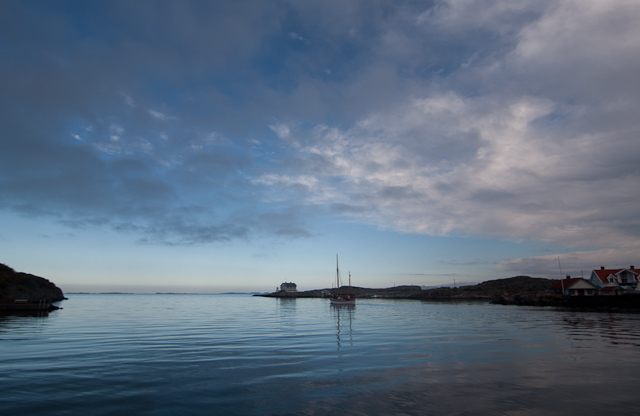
<point x="339" y="296"/>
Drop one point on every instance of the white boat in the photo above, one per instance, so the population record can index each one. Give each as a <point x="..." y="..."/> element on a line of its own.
<point x="342" y="296"/>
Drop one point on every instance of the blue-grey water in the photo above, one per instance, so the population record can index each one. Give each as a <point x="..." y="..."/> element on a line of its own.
<point x="244" y="355"/>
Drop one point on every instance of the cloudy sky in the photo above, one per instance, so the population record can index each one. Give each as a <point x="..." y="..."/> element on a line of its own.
<point x="234" y="145"/>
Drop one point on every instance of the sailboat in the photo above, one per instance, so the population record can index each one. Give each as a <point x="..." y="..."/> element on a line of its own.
<point x="339" y="297"/>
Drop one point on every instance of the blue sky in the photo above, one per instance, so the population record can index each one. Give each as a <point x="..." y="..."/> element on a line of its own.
<point x="214" y="146"/>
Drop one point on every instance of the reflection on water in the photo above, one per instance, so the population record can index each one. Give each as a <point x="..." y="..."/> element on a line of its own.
<point x="344" y="312"/>
<point x="616" y="329"/>
<point x="32" y="313"/>
<point x="287" y="308"/>
<point x="242" y="355"/>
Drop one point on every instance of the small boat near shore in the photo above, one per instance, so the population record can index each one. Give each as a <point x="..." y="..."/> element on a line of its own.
<point x="342" y="296"/>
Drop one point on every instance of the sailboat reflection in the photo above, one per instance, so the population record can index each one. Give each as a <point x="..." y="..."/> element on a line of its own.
<point x="344" y="317"/>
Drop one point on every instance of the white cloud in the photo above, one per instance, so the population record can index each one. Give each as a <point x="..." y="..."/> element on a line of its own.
<point x="116" y="129"/>
<point x="506" y="118"/>
<point x="158" y="115"/>
<point x="129" y="100"/>
<point x="497" y="16"/>
<point x="575" y="264"/>
<point x="572" y="27"/>
<point x="285" y="180"/>
<point x="282" y="130"/>
<point x="305" y="189"/>
<point x="583" y="49"/>
<point x="537" y="154"/>
<point x="477" y="166"/>
<point x="296" y="36"/>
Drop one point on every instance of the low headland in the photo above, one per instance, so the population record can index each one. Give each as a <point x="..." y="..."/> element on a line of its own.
<point x="24" y="292"/>
<point x="518" y="290"/>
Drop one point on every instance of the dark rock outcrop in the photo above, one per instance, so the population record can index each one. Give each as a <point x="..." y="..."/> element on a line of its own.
<point x="24" y="291"/>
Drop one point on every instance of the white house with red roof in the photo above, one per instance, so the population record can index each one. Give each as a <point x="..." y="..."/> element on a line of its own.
<point x="608" y="281"/>
<point x="574" y="287"/>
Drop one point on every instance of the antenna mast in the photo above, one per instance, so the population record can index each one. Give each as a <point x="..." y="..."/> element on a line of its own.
<point x="561" y="280"/>
<point x="560" y="267"/>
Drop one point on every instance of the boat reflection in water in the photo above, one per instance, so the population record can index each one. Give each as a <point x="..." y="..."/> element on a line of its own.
<point x="344" y="315"/>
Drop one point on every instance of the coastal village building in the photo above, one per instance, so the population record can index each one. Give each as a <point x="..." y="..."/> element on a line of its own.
<point x="574" y="287"/>
<point x="288" y="287"/>
<point x="602" y="282"/>
<point x="614" y="281"/>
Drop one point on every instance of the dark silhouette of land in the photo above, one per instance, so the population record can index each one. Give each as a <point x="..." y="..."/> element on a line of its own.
<point x="503" y="290"/>
<point x="26" y="292"/>
<point x="518" y="290"/>
<point x="396" y="292"/>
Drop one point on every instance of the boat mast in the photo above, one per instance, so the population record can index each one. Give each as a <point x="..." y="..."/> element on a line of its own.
<point x="337" y="274"/>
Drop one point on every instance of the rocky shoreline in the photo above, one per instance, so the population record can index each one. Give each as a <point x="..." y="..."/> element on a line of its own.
<point x="24" y="292"/>
<point x="518" y="290"/>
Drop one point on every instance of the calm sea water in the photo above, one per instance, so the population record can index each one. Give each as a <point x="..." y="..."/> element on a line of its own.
<point x="244" y="355"/>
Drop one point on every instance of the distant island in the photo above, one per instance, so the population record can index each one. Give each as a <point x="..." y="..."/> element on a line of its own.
<point x="501" y="290"/>
<point x="26" y="292"/>
<point x="396" y="292"/>
<point x="518" y="290"/>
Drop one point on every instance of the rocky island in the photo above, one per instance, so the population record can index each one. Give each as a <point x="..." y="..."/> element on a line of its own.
<point x="518" y="290"/>
<point x="26" y="292"/>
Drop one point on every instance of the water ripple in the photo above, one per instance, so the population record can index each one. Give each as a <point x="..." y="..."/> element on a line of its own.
<point x="233" y="354"/>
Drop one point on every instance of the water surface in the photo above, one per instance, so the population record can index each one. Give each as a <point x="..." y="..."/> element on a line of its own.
<point x="244" y="355"/>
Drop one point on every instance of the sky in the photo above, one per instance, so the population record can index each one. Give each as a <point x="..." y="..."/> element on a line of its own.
<point x="213" y="146"/>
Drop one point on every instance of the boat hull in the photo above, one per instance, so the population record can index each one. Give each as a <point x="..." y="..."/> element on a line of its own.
<point x="342" y="301"/>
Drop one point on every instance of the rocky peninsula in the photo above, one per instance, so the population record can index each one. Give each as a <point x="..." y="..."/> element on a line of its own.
<point x="511" y="290"/>
<point x="26" y="292"/>
<point x="396" y="292"/>
<point x="530" y="291"/>
<point x="518" y="290"/>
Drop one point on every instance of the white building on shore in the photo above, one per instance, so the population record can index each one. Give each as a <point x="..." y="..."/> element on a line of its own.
<point x="608" y="279"/>
<point x="288" y="287"/>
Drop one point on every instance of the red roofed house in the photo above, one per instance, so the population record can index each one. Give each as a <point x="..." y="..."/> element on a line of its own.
<point x="609" y="281"/>
<point x="574" y="287"/>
